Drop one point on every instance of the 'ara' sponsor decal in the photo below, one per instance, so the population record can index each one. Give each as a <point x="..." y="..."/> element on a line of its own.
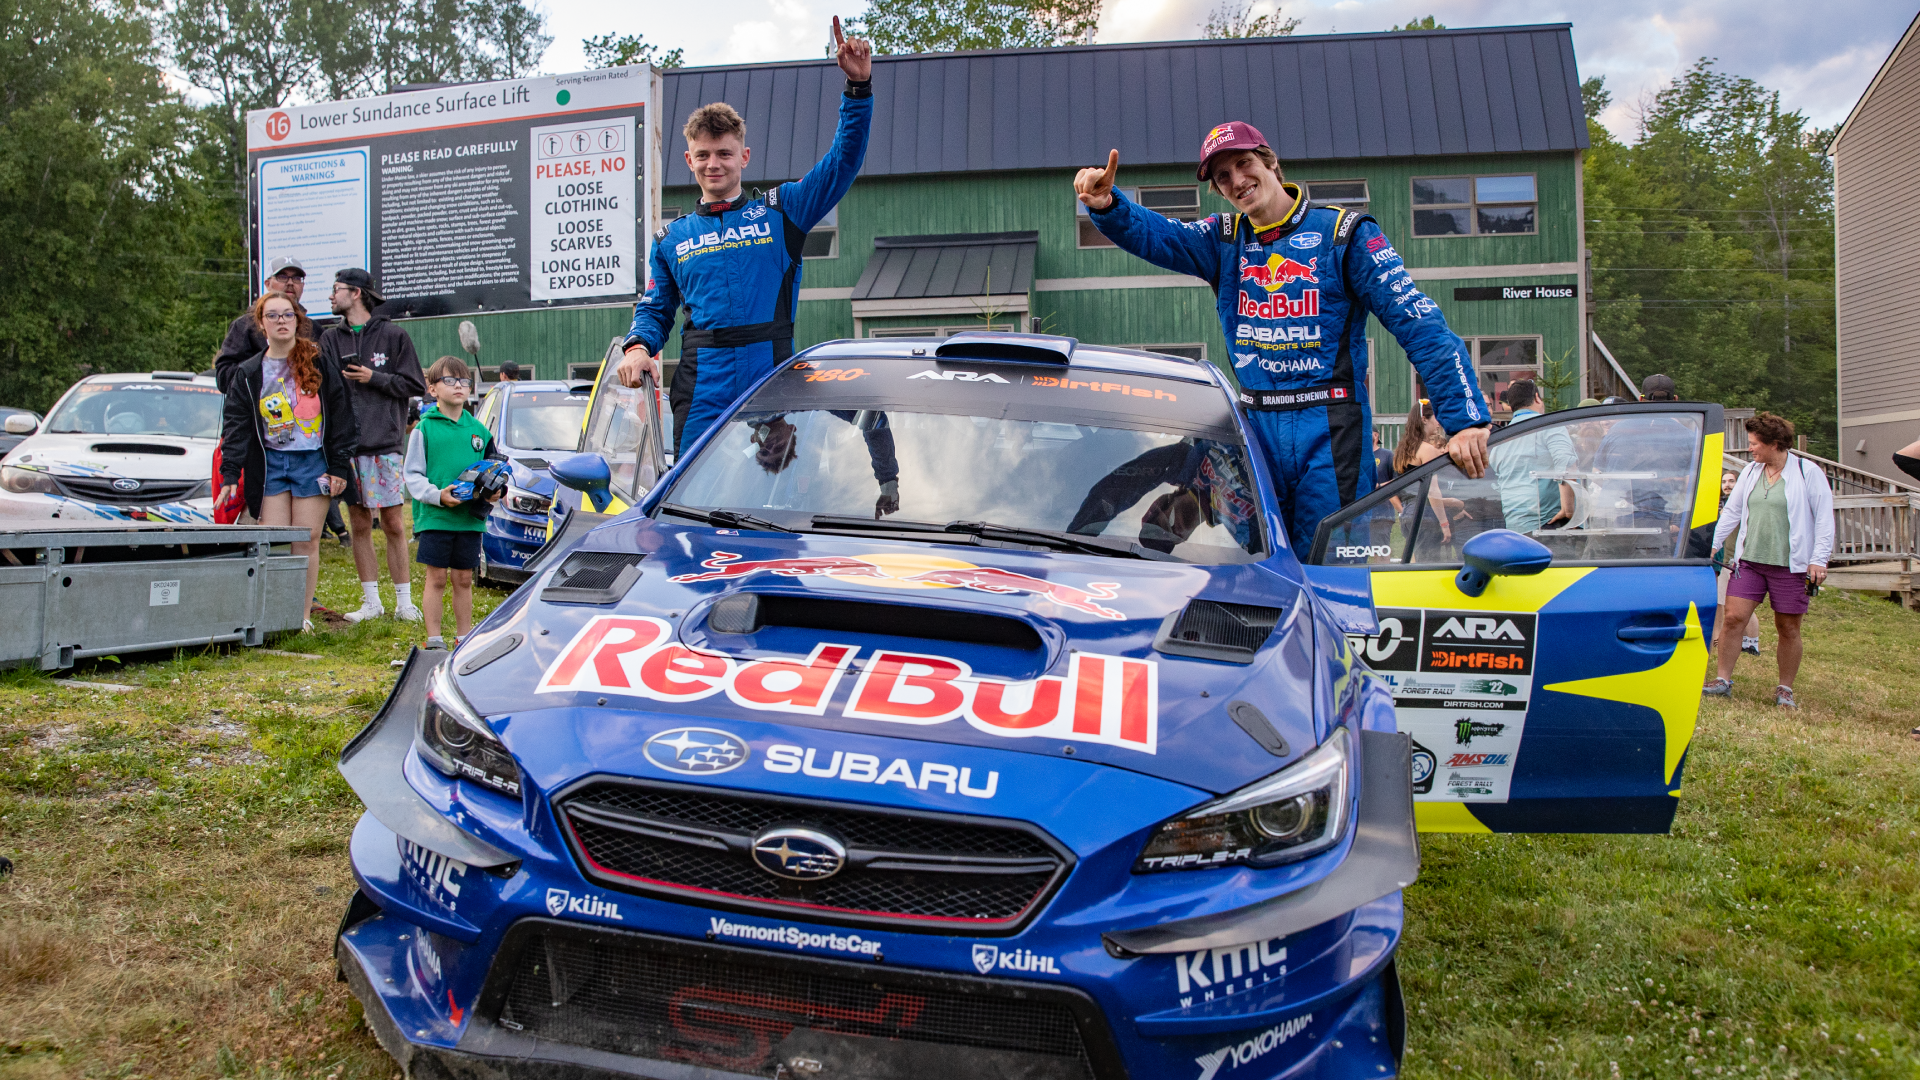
<point x="1102" y="699"/>
<point x="912" y="572"/>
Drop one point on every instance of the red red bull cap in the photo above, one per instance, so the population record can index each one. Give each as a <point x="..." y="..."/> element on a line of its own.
<point x="1232" y="135"/>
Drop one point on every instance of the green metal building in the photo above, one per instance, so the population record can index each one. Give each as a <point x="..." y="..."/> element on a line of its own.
<point x="1465" y="144"/>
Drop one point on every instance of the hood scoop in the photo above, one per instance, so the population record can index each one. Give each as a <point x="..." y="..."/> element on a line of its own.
<point x="138" y="448"/>
<point x="750" y="613"/>
<point x="1212" y="630"/>
<point x="593" y="577"/>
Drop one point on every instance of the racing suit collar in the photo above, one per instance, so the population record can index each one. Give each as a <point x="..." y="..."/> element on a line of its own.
<point x="1267" y="234"/>
<point x="721" y="206"/>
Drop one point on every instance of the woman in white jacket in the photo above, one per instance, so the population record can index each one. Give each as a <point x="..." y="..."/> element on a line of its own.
<point x="1783" y="508"/>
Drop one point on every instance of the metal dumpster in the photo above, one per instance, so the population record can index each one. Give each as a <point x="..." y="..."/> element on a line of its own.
<point x="69" y="590"/>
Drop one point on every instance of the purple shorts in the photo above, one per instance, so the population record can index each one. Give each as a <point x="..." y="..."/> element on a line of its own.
<point x="1754" y="581"/>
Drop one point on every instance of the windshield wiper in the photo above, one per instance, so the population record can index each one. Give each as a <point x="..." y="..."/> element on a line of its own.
<point x="987" y="530"/>
<point x="1060" y="541"/>
<point x="731" y="519"/>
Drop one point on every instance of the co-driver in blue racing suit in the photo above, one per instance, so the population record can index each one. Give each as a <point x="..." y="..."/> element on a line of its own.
<point x="735" y="263"/>
<point x="1294" y="297"/>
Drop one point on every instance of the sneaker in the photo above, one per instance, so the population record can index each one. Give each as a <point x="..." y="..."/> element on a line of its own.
<point x="1750" y="646"/>
<point x="1718" y="688"/>
<point x="407" y="613"/>
<point x="436" y="642"/>
<point x="369" y="609"/>
<point x="1783" y="697"/>
<point x="306" y="626"/>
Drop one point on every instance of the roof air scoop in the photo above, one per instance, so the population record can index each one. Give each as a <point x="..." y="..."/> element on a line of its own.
<point x="1016" y="348"/>
<point x="1212" y="630"/>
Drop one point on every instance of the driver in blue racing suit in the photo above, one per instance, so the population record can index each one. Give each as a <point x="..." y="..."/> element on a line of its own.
<point x="1295" y="284"/>
<point x="735" y="262"/>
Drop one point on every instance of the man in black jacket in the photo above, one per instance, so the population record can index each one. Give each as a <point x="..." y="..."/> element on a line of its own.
<point x="382" y="373"/>
<point x="244" y="341"/>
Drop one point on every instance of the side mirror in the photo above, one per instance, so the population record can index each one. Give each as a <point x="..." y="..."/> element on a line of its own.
<point x="22" y="424"/>
<point x="587" y="473"/>
<point x="1497" y="553"/>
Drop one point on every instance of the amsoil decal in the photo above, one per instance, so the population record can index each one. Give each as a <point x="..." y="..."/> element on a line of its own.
<point x="1101" y="699"/>
<point x="914" y="572"/>
<point x="1460" y="679"/>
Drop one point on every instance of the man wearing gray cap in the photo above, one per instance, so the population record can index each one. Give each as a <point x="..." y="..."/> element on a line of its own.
<point x="244" y="341"/>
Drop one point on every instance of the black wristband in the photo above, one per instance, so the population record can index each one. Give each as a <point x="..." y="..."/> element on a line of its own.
<point x="861" y="89"/>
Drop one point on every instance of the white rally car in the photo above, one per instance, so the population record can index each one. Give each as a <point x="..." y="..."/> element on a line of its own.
<point x="119" y="448"/>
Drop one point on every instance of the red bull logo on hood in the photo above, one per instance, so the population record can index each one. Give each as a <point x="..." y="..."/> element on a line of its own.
<point x="901" y="571"/>
<point x="1278" y="270"/>
<point x="1113" y="700"/>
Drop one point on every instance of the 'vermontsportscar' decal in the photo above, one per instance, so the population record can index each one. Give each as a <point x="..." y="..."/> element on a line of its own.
<point x="914" y="572"/>
<point x="1102" y="699"/>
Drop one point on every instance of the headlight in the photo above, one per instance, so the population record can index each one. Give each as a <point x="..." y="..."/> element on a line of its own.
<point x="455" y="740"/>
<point x="25" y="481"/>
<point x="522" y="501"/>
<point x="1300" y="810"/>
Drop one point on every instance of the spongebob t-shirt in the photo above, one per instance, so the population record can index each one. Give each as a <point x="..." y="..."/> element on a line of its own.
<point x="292" y="416"/>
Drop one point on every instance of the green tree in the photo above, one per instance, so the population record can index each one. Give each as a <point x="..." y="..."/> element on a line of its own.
<point x="1426" y="23"/>
<point x="920" y="26"/>
<point x="98" y="197"/>
<point x="1712" y="241"/>
<point x="1227" y="21"/>
<point x="610" y="50"/>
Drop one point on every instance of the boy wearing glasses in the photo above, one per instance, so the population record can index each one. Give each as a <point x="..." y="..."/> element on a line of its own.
<point x="447" y="442"/>
<point x="383" y="374"/>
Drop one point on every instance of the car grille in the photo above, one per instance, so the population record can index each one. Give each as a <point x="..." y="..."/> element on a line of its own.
<point x="151" y="492"/>
<point x="747" y="1012"/>
<point x="906" y="871"/>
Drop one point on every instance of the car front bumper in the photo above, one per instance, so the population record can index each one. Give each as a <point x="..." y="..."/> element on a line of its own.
<point x="477" y="944"/>
<point x="42" y="507"/>
<point x="509" y="541"/>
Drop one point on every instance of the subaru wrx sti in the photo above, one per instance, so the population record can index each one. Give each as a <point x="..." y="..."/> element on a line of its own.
<point x="961" y="709"/>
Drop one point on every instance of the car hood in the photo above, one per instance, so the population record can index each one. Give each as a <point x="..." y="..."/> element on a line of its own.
<point x="530" y="471"/>
<point x="144" y="457"/>
<point x="1009" y="649"/>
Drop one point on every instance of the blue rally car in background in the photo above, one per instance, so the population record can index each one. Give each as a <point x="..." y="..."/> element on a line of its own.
<point x="961" y="709"/>
<point x="533" y="421"/>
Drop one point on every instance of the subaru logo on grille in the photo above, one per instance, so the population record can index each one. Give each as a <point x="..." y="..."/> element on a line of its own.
<point x="800" y="854"/>
<point x="696" y="751"/>
<point x="126" y="484"/>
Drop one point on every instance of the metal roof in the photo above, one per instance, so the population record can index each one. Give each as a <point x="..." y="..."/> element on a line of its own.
<point x="957" y="264"/>
<point x="1322" y="97"/>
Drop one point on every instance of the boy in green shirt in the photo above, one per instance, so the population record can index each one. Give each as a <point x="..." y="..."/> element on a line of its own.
<point x="445" y="443"/>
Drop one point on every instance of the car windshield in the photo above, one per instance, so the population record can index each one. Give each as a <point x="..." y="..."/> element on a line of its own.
<point x="139" y="408"/>
<point x="1144" y="460"/>
<point x="545" y="419"/>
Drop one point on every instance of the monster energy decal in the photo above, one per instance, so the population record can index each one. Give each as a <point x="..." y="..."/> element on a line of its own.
<point x="1461" y="682"/>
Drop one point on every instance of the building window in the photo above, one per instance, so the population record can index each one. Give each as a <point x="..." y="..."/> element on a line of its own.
<point x="824" y="241"/>
<point x="1189" y="350"/>
<point x="1502" y="361"/>
<point x="1474" y="205"/>
<point x="1179" y="203"/>
<point x="671" y="213"/>
<point x="1346" y="194"/>
<point x="938" y="331"/>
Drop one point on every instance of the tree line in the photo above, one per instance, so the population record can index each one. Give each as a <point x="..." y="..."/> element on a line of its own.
<point x="1712" y="242"/>
<point x="1711" y="231"/>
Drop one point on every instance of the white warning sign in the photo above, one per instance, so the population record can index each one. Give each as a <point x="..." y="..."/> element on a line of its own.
<point x="583" y="210"/>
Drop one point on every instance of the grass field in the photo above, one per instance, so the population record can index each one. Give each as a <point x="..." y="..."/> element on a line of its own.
<point x="180" y="855"/>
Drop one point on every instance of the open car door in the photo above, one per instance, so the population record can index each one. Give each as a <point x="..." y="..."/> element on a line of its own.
<point x="1563" y="701"/>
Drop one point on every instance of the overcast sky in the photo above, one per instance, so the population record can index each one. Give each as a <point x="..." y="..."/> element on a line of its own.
<point x="1820" y="57"/>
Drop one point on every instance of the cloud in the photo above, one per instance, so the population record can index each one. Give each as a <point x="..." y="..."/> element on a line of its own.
<point x="1819" y="61"/>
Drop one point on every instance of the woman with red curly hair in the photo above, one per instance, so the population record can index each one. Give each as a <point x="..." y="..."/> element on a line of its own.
<point x="288" y="430"/>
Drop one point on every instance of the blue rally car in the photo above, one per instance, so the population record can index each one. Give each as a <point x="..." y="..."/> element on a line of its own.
<point x="533" y="422"/>
<point x="961" y="709"/>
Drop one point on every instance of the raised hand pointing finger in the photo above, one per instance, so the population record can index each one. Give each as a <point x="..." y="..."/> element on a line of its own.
<point x="1095" y="186"/>
<point x="854" y="55"/>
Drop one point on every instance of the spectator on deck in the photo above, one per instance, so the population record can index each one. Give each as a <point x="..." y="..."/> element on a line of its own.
<point x="1723" y="564"/>
<point x="1782" y="508"/>
<point x="1528" y="501"/>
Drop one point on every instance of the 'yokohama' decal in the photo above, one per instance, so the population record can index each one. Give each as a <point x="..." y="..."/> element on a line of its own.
<point x="1101" y="699"/>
